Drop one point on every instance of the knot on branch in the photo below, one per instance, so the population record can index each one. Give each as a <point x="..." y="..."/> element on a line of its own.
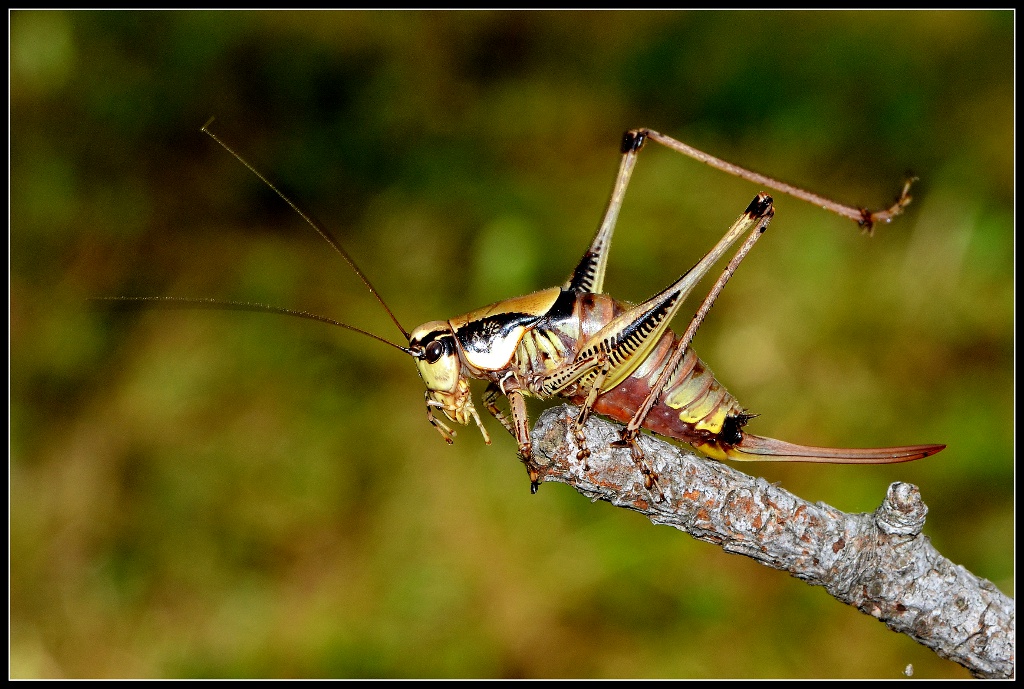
<point x="902" y="512"/>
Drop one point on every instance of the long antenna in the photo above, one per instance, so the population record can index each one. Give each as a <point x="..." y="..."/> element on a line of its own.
<point x="223" y="305"/>
<point x="312" y="223"/>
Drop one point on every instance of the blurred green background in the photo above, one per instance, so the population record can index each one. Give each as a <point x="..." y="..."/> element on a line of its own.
<point x="209" y="494"/>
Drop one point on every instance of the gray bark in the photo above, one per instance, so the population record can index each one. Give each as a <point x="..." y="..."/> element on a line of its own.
<point x="880" y="563"/>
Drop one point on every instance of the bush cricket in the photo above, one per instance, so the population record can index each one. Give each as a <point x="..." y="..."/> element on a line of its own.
<point x="604" y="355"/>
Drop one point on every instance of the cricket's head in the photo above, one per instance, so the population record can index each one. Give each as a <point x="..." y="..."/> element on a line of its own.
<point x="437" y="359"/>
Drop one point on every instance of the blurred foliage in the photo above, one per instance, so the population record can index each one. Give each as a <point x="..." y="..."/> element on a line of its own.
<point x="203" y="494"/>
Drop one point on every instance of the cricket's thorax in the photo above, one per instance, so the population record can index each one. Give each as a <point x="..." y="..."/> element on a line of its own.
<point x="556" y="338"/>
<point x="490" y="337"/>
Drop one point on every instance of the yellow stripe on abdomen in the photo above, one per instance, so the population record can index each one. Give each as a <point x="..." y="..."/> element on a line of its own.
<point x="701" y="400"/>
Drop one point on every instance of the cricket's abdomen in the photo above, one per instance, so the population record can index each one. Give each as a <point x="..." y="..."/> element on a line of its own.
<point x="694" y="408"/>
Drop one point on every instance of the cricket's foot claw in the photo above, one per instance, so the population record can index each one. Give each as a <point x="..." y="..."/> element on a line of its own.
<point x="534" y="471"/>
<point x="651" y="484"/>
<point x="584" y="452"/>
<point x="637" y="455"/>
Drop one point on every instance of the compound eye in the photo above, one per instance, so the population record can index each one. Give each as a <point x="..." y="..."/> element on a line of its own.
<point x="434" y="351"/>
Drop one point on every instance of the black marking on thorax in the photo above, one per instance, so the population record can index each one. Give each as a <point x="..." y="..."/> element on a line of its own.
<point x="563" y="307"/>
<point x="479" y="335"/>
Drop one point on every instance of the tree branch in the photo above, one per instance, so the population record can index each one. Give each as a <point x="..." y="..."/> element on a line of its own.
<point x="880" y="562"/>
